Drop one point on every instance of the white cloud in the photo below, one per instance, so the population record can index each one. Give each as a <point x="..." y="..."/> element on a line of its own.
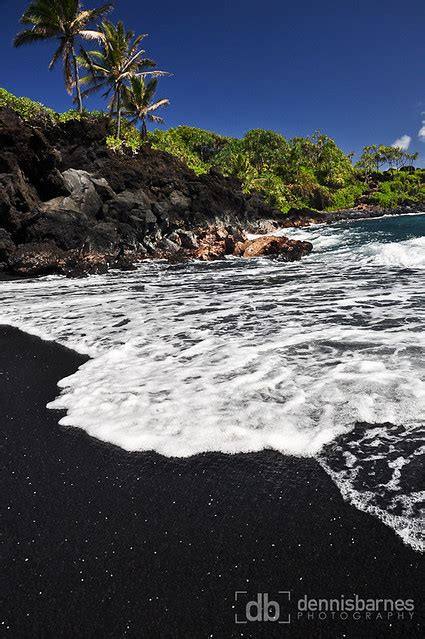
<point x="403" y="143"/>
<point x="421" y="134"/>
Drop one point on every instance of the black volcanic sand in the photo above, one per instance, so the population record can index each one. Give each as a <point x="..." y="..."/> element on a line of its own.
<point x="102" y="543"/>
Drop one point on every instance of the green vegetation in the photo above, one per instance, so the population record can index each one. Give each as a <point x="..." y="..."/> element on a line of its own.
<point x="116" y="67"/>
<point x="139" y="103"/>
<point x="27" y="109"/>
<point x="299" y="173"/>
<point x="374" y="157"/>
<point x="401" y="188"/>
<point x="195" y="147"/>
<point x="31" y="110"/>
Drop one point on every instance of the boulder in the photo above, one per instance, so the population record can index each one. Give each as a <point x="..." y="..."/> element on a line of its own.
<point x="67" y="229"/>
<point x="84" y="198"/>
<point x="208" y="252"/>
<point x="282" y="247"/>
<point x="216" y="242"/>
<point x="179" y="201"/>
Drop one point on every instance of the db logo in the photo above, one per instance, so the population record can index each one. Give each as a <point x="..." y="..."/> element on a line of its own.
<point x="263" y="607"/>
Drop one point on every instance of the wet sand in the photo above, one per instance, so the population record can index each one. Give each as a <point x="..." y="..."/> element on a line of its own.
<point x="98" y="542"/>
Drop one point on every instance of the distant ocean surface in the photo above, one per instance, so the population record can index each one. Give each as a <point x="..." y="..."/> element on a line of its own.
<point x="321" y="358"/>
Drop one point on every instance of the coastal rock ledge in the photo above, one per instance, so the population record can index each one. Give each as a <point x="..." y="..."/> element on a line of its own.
<point x="70" y="205"/>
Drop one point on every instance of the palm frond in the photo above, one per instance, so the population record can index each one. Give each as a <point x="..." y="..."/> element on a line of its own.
<point x="89" y="34"/>
<point x="29" y="36"/>
<point x="131" y="60"/>
<point x="158" y="105"/>
<point x="41" y="12"/>
<point x="57" y="54"/>
<point x="147" y="62"/>
<point x="90" y="90"/>
<point x="90" y="15"/>
<point x="155" y="74"/>
<point x="156" y="118"/>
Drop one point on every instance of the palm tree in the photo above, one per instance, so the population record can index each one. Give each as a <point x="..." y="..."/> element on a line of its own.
<point x="63" y="20"/>
<point x="119" y="60"/>
<point x="139" y="104"/>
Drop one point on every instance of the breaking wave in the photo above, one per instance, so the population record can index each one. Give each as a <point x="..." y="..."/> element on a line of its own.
<point x="408" y="254"/>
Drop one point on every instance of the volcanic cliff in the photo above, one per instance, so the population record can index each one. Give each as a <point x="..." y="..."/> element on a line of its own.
<point x="68" y="204"/>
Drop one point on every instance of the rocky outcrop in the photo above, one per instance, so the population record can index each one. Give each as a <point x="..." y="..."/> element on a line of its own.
<point x="220" y="242"/>
<point x="215" y="244"/>
<point x="30" y="260"/>
<point x="68" y="204"/>
<point x="288" y="250"/>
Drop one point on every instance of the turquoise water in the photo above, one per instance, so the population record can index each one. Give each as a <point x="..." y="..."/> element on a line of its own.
<point x="387" y="229"/>
<point x="392" y="240"/>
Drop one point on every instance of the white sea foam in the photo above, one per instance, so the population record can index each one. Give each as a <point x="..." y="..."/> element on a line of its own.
<point x="238" y="355"/>
<point x="408" y="254"/>
<point x="409" y="526"/>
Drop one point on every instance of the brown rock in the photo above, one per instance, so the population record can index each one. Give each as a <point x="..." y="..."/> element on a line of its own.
<point x="217" y="242"/>
<point x="239" y="249"/>
<point x="211" y="251"/>
<point x="290" y="250"/>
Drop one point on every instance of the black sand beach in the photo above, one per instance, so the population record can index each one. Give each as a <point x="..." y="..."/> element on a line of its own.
<point x="101" y="543"/>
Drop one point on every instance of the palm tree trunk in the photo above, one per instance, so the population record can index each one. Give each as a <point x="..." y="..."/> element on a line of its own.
<point x="144" y="129"/>
<point x="119" y="114"/>
<point x="77" y="81"/>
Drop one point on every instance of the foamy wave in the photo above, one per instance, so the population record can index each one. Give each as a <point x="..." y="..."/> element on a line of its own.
<point x="410" y="528"/>
<point x="408" y="254"/>
<point x="217" y="395"/>
<point x="379" y="468"/>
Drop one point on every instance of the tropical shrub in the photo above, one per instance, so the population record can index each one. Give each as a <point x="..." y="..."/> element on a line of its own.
<point x="403" y="188"/>
<point x="195" y="147"/>
<point x="25" y="107"/>
<point x="130" y="139"/>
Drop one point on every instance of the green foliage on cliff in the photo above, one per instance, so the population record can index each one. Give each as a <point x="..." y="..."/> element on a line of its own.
<point x="27" y="109"/>
<point x="195" y="147"/>
<point x="307" y="172"/>
<point x="30" y="110"/>
<point x="303" y="172"/>
<point x="402" y="188"/>
<point x="67" y="116"/>
<point x="374" y="157"/>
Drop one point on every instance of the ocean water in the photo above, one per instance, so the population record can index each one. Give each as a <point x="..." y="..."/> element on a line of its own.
<point x="321" y="358"/>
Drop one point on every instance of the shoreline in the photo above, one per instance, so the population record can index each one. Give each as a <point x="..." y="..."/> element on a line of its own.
<point x="100" y="541"/>
<point x="212" y="248"/>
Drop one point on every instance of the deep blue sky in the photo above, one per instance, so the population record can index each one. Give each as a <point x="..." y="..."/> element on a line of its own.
<point x="355" y="70"/>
